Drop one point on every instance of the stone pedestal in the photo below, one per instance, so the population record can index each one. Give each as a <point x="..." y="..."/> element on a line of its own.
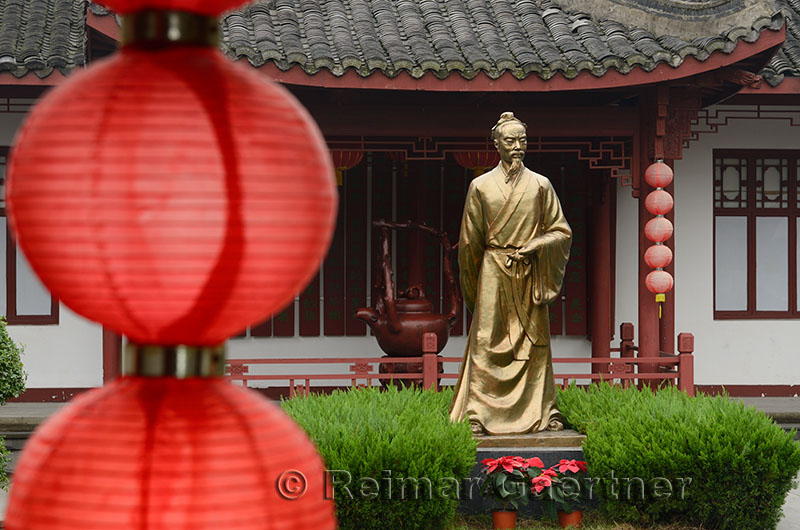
<point x="565" y="438"/>
<point x="550" y="446"/>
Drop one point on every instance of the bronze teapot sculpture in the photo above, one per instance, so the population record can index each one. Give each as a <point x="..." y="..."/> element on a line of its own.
<point x="403" y="324"/>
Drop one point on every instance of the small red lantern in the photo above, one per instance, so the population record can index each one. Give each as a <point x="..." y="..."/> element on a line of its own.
<point x="658" y="175"/>
<point x="146" y="199"/>
<point x="658" y="229"/>
<point x="659" y="282"/>
<point x="658" y="256"/>
<point x="344" y="160"/>
<point x="658" y="202"/>
<point x="163" y="453"/>
<point x="478" y="161"/>
<point x="211" y="8"/>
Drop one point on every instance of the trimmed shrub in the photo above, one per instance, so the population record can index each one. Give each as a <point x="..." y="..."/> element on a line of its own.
<point x="12" y="376"/>
<point x="394" y="457"/>
<point x="663" y="456"/>
<point x="12" y="384"/>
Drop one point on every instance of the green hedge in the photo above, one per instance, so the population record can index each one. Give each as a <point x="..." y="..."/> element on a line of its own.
<point x="12" y="384"/>
<point x="395" y="457"/>
<point x="728" y="466"/>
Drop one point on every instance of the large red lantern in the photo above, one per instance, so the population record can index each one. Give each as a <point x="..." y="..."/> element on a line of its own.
<point x="173" y="195"/>
<point x="169" y="454"/>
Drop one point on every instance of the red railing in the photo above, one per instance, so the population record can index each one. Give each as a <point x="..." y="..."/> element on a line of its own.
<point x="429" y="368"/>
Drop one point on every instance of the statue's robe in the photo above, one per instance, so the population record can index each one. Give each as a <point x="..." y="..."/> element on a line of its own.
<point x="506" y="381"/>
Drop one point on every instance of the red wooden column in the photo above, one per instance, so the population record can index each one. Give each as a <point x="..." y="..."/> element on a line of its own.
<point x="666" y="327"/>
<point x="112" y="355"/>
<point x="652" y="113"/>
<point x="600" y="300"/>
<point x="665" y="121"/>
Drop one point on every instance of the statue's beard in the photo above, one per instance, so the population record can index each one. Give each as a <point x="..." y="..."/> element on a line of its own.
<point x="515" y="169"/>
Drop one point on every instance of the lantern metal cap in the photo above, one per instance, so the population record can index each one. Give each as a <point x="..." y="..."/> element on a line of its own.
<point x="157" y="28"/>
<point x="179" y="361"/>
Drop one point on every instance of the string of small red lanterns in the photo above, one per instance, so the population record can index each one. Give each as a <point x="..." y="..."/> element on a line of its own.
<point x="658" y="230"/>
<point x="174" y="197"/>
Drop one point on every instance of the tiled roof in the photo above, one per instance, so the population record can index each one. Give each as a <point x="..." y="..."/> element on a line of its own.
<point x="466" y="37"/>
<point x="453" y="37"/>
<point x="786" y="63"/>
<point x="42" y="35"/>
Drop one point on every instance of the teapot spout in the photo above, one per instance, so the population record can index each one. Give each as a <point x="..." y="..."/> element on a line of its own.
<point x="367" y="314"/>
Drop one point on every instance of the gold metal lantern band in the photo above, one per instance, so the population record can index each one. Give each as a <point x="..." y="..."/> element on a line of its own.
<point x="160" y="28"/>
<point x="174" y="361"/>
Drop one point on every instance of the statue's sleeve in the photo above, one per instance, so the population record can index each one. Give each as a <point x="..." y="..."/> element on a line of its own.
<point x="471" y="245"/>
<point x="555" y="238"/>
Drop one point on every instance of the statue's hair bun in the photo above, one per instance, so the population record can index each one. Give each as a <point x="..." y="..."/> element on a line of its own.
<point x="505" y="118"/>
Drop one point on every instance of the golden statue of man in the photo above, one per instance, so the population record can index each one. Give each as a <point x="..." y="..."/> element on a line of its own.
<point x="512" y="253"/>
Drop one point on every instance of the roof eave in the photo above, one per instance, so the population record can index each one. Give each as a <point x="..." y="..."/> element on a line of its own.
<point x="768" y="39"/>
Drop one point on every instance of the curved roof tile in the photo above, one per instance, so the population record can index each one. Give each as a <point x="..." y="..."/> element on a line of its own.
<point x="467" y="37"/>
<point x="42" y="36"/>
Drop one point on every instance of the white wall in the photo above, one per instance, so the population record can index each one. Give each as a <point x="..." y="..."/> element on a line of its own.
<point x="627" y="293"/>
<point x="735" y="352"/>
<point x="67" y="355"/>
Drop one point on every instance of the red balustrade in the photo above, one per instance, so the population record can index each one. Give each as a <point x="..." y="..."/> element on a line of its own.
<point x="428" y="370"/>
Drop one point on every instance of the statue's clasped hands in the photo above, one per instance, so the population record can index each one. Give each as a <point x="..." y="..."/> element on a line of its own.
<point x="522" y="254"/>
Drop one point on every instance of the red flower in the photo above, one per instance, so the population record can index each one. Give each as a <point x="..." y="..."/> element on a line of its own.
<point x="571" y="465"/>
<point x="534" y="462"/>
<point x="541" y="482"/>
<point x="550" y="472"/>
<point x="508" y="463"/>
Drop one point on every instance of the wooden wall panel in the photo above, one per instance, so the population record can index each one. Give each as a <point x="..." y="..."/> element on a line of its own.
<point x="402" y="197"/>
<point x="431" y="189"/>
<point x="333" y="277"/>
<point x="575" y="208"/>
<point x="283" y="322"/>
<point x="453" y="194"/>
<point x="309" y="309"/>
<point x="381" y="210"/>
<point x="356" y="248"/>
<point x="264" y="329"/>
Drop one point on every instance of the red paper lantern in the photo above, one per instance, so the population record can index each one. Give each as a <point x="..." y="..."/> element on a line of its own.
<point x="658" y="175"/>
<point x="477" y="159"/>
<point x="344" y="160"/>
<point x="658" y="202"/>
<point x="174" y="196"/>
<point x="164" y="453"/>
<point x="659" y="282"/>
<point x="658" y="256"/>
<point x="211" y="8"/>
<point x="658" y="229"/>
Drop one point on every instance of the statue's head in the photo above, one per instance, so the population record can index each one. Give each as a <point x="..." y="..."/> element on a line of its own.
<point x="510" y="138"/>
